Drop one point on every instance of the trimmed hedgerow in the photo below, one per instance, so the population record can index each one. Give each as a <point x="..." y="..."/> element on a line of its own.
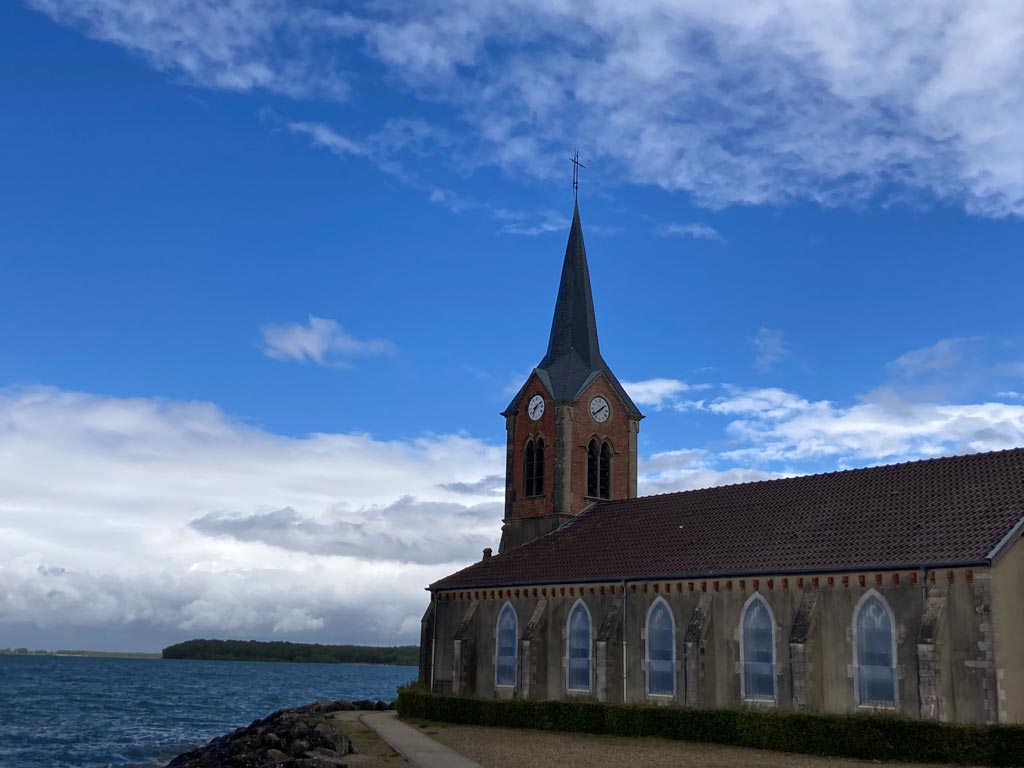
<point x="864" y="736"/>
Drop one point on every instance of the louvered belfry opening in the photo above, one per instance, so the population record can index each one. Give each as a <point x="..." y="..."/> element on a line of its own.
<point x="599" y="469"/>
<point x="533" y="469"/>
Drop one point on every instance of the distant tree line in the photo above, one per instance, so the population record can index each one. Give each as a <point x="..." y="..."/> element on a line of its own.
<point x="255" y="650"/>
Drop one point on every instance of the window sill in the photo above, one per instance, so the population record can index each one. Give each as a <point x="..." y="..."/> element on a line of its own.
<point x="534" y="497"/>
<point x="578" y="691"/>
<point x="877" y="707"/>
<point x="596" y="498"/>
<point x="761" y="703"/>
<point x="661" y="698"/>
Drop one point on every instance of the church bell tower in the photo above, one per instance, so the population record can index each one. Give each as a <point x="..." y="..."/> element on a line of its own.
<point x="572" y="429"/>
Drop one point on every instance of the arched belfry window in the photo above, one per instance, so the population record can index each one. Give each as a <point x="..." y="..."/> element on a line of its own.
<point x="661" y="650"/>
<point x="578" y="648"/>
<point x="506" y="646"/>
<point x="533" y="471"/>
<point x="599" y="469"/>
<point x="874" y="647"/>
<point x="757" y="650"/>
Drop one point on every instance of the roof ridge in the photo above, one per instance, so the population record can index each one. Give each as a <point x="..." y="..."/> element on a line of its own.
<point x="874" y="467"/>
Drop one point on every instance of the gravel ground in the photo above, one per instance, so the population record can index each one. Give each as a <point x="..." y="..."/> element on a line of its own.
<point x="508" y="748"/>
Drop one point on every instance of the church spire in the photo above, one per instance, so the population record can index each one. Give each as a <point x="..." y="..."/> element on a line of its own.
<point x="574" y="327"/>
<point x="573" y="358"/>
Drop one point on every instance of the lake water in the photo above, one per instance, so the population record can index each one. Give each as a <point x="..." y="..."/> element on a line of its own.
<point x="72" y="711"/>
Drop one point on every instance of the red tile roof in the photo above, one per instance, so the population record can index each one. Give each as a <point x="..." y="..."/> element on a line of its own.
<point x="939" y="512"/>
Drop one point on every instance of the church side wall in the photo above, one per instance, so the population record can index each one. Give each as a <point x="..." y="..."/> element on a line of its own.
<point x="707" y="615"/>
<point x="1008" y="625"/>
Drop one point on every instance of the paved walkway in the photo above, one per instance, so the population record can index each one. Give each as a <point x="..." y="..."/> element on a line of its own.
<point x="416" y="747"/>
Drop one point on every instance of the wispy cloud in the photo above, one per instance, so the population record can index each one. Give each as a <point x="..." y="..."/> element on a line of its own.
<point x="829" y="103"/>
<point x="695" y="231"/>
<point x="325" y="137"/>
<point x="320" y="340"/>
<point x="230" y="45"/>
<point x="770" y="349"/>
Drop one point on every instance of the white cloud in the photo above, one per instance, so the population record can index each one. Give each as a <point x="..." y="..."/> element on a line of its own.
<point x="770" y="349"/>
<point x="232" y="45"/>
<point x="761" y="103"/>
<point x="169" y="519"/>
<point x="696" y="231"/>
<point x="325" y="137"/>
<point x="943" y="355"/>
<point x="778" y="426"/>
<point x="658" y="392"/>
<point x="321" y="340"/>
<point x="685" y="470"/>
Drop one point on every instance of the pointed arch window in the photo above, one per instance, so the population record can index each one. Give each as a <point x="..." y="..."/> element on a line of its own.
<point x="578" y="648"/>
<point x="506" y="646"/>
<point x="661" y="650"/>
<point x="757" y="650"/>
<point x="533" y="471"/>
<point x="599" y="469"/>
<point x="875" y="652"/>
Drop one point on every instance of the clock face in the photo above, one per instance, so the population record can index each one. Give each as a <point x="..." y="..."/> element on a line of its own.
<point x="599" y="410"/>
<point x="536" y="407"/>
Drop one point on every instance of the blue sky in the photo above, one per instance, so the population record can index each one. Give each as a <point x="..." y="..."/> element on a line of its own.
<point x="269" y="271"/>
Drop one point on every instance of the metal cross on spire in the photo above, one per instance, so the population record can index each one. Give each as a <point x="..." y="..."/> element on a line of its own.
<point x="576" y="165"/>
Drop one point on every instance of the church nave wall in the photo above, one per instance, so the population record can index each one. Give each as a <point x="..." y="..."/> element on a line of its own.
<point x="938" y="622"/>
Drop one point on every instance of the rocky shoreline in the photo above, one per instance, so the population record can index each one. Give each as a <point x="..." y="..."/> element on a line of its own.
<point x="303" y="737"/>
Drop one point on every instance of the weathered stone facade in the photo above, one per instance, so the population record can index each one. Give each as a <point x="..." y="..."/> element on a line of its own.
<point x="950" y="664"/>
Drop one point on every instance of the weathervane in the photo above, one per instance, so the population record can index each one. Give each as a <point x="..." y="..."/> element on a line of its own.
<point x="576" y="165"/>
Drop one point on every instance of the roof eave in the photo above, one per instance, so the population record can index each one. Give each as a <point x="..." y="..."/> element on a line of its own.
<point x="886" y="567"/>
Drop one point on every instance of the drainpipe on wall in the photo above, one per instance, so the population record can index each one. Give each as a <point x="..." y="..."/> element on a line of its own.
<point x="625" y="620"/>
<point x="433" y="641"/>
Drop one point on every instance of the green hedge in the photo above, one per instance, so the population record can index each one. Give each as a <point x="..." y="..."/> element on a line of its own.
<point x="868" y="737"/>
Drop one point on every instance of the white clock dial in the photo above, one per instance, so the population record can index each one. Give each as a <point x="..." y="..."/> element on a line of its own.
<point x="599" y="410"/>
<point x="536" y="407"/>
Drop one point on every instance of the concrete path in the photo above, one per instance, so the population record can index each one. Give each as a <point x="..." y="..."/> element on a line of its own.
<point x="416" y="747"/>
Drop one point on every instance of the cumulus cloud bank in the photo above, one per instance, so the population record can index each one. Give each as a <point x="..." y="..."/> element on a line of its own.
<point x="154" y="520"/>
<point x="752" y="103"/>
<point x="169" y="518"/>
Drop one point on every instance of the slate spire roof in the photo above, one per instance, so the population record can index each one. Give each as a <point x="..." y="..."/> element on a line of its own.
<point x="573" y="358"/>
<point x="947" y="512"/>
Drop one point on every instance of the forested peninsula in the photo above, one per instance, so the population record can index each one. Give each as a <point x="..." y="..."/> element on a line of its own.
<point x="255" y="650"/>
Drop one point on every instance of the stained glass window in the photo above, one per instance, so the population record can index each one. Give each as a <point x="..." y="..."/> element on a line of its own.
<point x="660" y="650"/>
<point x="579" y="648"/>
<point x="758" y="651"/>
<point x="507" y="641"/>
<point x="876" y="665"/>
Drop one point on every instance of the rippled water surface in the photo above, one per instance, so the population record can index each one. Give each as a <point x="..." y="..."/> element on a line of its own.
<point x="72" y="711"/>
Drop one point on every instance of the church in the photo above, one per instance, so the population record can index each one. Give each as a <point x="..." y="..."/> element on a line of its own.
<point x="896" y="588"/>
